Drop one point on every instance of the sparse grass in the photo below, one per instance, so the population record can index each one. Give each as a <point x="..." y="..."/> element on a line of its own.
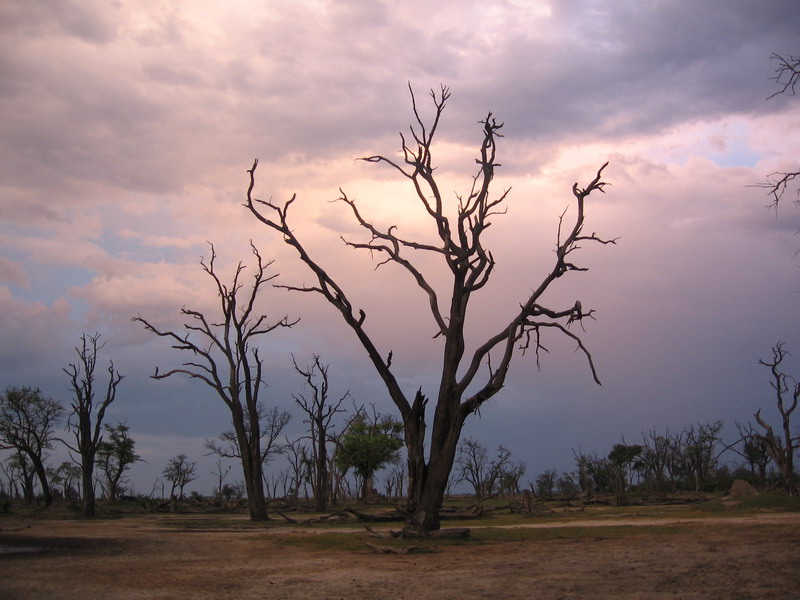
<point x="551" y="512"/>
<point x="357" y="542"/>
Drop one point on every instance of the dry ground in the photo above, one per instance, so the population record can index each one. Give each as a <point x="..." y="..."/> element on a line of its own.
<point x="752" y="557"/>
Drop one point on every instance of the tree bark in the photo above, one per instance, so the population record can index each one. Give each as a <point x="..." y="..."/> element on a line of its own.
<point x="88" y="500"/>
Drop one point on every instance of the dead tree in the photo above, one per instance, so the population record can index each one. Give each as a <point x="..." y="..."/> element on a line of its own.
<point x="787" y="76"/>
<point x="755" y="451"/>
<point x="86" y="419"/>
<point x="468" y="377"/>
<point x="782" y="447"/>
<point x="319" y="411"/>
<point x="225" y="359"/>
<point x="272" y="423"/>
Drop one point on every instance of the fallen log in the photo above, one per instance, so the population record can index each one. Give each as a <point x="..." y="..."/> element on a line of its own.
<point x="390" y="549"/>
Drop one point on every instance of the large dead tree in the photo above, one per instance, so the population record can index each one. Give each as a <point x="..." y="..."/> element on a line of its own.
<point x="782" y="446"/>
<point x="469" y="377"/>
<point x="225" y="359"/>
<point x="88" y="412"/>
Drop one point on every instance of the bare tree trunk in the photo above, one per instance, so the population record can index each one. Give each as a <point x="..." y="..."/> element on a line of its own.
<point x="428" y="481"/>
<point x="88" y="500"/>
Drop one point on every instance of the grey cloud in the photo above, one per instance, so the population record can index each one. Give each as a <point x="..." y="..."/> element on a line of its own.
<point x="86" y="20"/>
<point x="638" y="67"/>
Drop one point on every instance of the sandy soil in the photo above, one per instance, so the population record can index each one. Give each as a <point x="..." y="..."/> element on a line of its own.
<point x="135" y="558"/>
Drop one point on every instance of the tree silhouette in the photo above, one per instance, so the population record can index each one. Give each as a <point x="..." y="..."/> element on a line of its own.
<point x="468" y="376"/>
<point x="225" y="358"/>
<point x="27" y="421"/>
<point x="88" y="412"/>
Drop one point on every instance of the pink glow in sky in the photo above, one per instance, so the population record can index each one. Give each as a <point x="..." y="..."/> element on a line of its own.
<point x="127" y="129"/>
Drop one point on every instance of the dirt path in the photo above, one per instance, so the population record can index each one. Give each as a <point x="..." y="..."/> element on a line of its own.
<point x="731" y="558"/>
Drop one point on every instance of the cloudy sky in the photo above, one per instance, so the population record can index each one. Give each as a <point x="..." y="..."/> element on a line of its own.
<point x="128" y="127"/>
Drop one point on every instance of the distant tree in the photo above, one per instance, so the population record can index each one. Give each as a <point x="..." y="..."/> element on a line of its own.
<point x="225" y="358"/>
<point x="596" y="473"/>
<point x="510" y="476"/>
<point x="370" y="443"/>
<point x="752" y="447"/>
<point x="473" y="466"/>
<point x="221" y="474"/>
<point x="69" y="477"/>
<point x="115" y="455"/>
<point x="319" y="411"/>
<point x="658" y="457"/>
<point x="21" y="475"/>
<point x="86" y="419"/>
<point x="180" y="472"/>
<point x="485" y="475"/>
<point x="395" y="482"/>
<point x="297" y="473"/>
<point x="700" y="452"/>
<point x="545" y="483"/>
<point x="27" y="423"/>
<point x="233" y="491"/>
<point x="567" y="487"/>
<point x="273" y="422"/>
<point x="624" y="459"/>
<point x="782" y="447"/>
<point x="468" y="375"/>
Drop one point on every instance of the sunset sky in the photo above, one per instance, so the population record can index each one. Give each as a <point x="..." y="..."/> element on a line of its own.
<point x="128" y="128"/>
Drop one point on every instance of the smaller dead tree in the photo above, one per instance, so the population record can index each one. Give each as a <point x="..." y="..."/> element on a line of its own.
<point x="700" y="453"/>
<point x="88" y="412"/>
<point x="320" y="412"/>
<point x="484" y="475"/>
<point x="755" y="451"/>
<point x="782" y="447"/>
<point x="273" y="422"/>
<point x="296" y="474"/>
<point x="225" y="358"/>
<point x="221" y="473"/>
<point x="656" y="458"/>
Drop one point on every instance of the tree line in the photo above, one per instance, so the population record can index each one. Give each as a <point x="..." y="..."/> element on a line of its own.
<point x="101" y="454"/>
<point x="363" y="441"/>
